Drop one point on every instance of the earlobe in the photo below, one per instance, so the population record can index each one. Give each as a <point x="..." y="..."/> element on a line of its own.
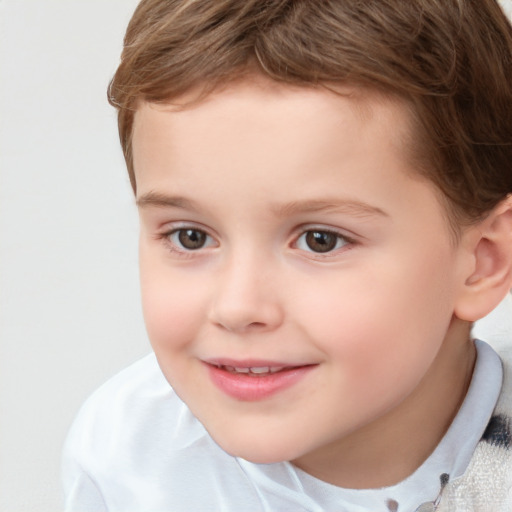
<point x="491" y="276"/>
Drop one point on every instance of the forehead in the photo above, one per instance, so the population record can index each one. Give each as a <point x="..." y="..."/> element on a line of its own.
<point x="265" y="104"/>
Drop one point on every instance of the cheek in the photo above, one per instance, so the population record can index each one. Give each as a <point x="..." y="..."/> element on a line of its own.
<point x="382" y="324"/>
<point x="173" y="307"/>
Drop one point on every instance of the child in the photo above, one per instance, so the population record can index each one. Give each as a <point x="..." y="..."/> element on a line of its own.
<point x="325" y="200"/>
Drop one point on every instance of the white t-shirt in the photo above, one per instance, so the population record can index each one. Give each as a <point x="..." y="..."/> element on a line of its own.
<point x="136" y="447"/>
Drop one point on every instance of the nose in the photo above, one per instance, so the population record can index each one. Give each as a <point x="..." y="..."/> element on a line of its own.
<point x="246" y="298"/>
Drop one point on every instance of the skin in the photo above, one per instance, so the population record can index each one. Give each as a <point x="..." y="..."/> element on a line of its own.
<point x="255" y="167"/>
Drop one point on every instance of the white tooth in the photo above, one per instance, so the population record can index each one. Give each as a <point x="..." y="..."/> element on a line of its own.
<point x="276" y="369"/>
<point x="260" y="369"/>
<point x="242" y="370"/>
<point x="229" y="368"/>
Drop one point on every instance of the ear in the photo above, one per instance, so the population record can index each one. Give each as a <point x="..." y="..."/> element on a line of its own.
<point x="489" y="245"/>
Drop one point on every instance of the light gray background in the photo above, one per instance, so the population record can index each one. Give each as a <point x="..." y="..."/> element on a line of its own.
<point x="69" y="300"/>
<point x="69" y="303"/>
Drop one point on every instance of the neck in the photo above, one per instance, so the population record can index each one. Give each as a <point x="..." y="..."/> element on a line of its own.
<point x="392" y="447"/>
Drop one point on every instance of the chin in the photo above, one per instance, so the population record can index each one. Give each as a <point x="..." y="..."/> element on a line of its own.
<point x="259" y="450"/>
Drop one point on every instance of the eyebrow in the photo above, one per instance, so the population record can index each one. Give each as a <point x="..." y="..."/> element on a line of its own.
<point x="159" y="200"/>
<point x="330" y="205"/>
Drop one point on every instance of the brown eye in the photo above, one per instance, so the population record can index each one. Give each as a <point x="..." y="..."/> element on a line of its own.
<point x="322" y="241"/>
<point x="191" y="239"/>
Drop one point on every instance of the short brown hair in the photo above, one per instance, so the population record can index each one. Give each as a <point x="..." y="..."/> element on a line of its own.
<point x="450" y="59"/>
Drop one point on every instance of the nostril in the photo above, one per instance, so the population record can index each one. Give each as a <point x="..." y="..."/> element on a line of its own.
<point x="256" y="324"/>
<point x="241" y="327"/>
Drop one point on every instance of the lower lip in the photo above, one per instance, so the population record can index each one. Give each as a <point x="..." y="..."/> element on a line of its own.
<point x="244" y="387"/>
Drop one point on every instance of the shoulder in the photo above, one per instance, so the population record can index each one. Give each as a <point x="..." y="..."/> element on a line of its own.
<point x="128" y="394"/>
<point x="486" y="485"/>
<point x="135" y="411"/>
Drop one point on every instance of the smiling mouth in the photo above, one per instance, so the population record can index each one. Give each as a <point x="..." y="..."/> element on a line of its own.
<point x="252" y="383"/>
<point x="253" y="371"/>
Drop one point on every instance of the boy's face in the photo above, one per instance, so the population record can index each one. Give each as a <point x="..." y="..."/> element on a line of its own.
<point x="283" y="229"/>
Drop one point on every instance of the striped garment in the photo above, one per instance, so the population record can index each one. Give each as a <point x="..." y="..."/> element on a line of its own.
<point x="486" y="486"/>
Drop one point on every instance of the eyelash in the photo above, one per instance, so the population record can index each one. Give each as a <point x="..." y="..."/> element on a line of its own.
<point x="340" y="240"/>
<point x="176" y="246"/>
